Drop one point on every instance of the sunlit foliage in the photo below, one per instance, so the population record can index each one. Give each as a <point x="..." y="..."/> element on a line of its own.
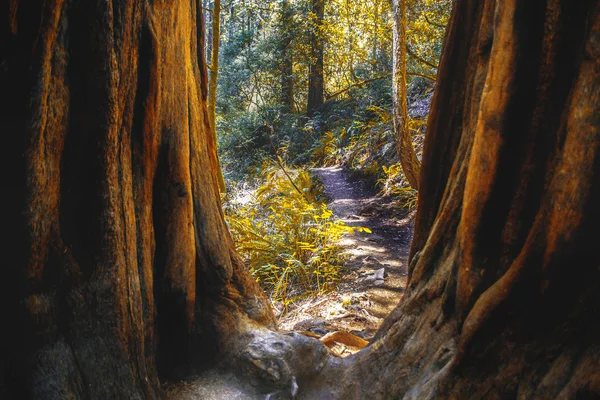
<point x="394" y="182"/>
<point x="357" y="37"/>
<point x="427" y="20"/>
<point x="289" y="237"/>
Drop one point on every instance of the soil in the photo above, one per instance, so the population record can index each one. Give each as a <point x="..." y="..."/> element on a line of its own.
<point x="360" y="303"/>
<point x="361" y="300"/>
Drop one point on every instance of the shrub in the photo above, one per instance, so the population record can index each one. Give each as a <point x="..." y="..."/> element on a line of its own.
<point x="288" y="237"/>
<point x="245" y="140"/>
<point x="394" y="182"/>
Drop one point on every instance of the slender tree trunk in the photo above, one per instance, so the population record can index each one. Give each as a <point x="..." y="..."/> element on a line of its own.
<point x="214" y="62"/>
<point x="316" y="88"/>
<point x="406" y="152"/>
<point x="213" y="82"/>
<point x="121" y="269"/>
<point x="376" y="46"/>
<point x="232" y="21"/>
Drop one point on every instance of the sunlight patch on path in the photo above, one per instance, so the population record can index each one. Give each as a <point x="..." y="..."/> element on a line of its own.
<point x="358" y="304"/>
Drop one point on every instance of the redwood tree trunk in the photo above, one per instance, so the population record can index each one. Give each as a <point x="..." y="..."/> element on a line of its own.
<point x="406" y="152"/>
<point x="118" y="261"/>
<point x="316" y="88"/>
<point x="503" y="298"/>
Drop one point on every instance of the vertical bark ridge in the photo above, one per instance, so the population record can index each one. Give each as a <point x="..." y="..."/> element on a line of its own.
<point x="461" y="118"/>
<point x="439" y="151"/>
<point x="501" y="299"/>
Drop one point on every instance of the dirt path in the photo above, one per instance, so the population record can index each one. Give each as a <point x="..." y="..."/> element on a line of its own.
<point x="360" y="303"/>
<point x="362" y="300"/>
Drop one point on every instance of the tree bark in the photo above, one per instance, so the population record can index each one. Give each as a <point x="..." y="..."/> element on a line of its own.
<point x="213" y="82"/>
<point x="406" y="152"/>
<point x="503" y="299"/>
<point x="208" y="16"/>
<point x="119" y="267"/>
<point x="316" y="88"/>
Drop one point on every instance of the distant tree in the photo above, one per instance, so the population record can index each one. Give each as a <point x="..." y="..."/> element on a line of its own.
<point x="316" y="83"/>
<point x="213" y="81"/>
<point x="406" y="152"/>
<point x="286" y="55"/>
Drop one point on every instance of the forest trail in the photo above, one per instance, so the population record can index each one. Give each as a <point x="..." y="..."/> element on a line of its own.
<point x="359" y="304"/>
<point x="362" y="300"/>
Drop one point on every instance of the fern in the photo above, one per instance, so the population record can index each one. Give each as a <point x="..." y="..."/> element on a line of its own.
<point x="289" y="239"/>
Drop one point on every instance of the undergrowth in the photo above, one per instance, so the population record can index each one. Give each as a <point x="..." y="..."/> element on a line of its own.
<point x="282" y="228"/>
<point x="287" y="235"/>
<point x="366" y="145"/>
<point x="394" y="183"/>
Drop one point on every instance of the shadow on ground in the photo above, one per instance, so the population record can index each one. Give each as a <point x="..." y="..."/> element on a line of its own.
<point x="361" y="300"/>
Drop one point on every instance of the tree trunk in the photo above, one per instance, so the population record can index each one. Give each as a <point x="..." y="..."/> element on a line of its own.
<point x="406" y="152"/>
<point x="118" y="262"/>
<point x="316" y="88"/>
<point x="212" y="84"/>
<point x="118" y="265"/>
<point x="503" y="298"/>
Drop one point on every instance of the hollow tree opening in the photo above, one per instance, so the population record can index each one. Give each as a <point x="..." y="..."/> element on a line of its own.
<point x="118" y="263"/>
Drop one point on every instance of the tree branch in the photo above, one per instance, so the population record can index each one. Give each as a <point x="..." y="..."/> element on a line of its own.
<point x="419" y="58"/>
<point x="426" y="76"/>
<point x="433" y="23"/>
<point x="366" y="81"/>
<point x="357" y="84"/>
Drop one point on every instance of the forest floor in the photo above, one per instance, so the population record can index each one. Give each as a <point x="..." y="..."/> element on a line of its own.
<point x="362" y="299"/>
<point x="359" y="303"/>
